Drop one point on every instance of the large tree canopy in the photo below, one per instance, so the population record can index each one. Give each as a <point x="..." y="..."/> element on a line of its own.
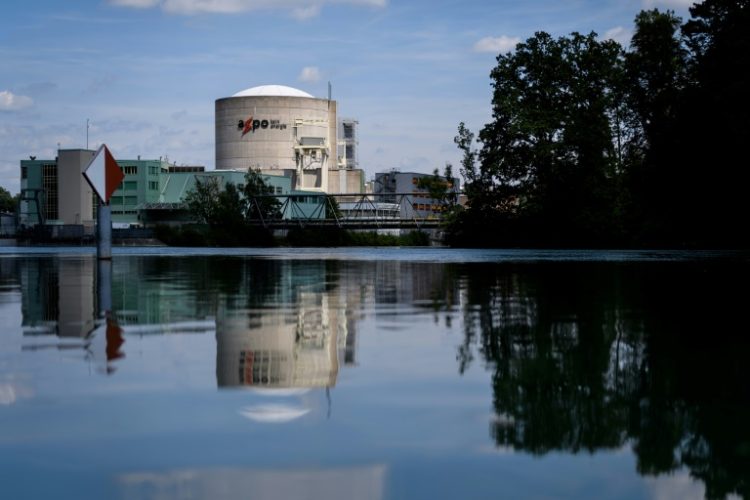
<point x="592" y="144"/>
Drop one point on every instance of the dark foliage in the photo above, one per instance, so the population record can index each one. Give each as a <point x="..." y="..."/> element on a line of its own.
<point x="591" y="145"/>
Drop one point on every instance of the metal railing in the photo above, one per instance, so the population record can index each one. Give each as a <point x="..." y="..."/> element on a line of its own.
<point x="351" y="211"/>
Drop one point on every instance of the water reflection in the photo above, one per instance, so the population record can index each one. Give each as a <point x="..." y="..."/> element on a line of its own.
<point x="580" y="358"/>
<point x="365" y="483"/>
<point x="591" y="357"/>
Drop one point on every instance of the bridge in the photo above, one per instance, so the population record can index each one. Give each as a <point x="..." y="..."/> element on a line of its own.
<point x="347" y="211"/>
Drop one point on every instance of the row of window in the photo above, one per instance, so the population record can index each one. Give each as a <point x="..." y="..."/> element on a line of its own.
<point x="133" y="185"/>
<point x="306" y="199"/>
<point x="133" y="170"/>
<point x="128" y="200"/>
<point x="423" y="207"/>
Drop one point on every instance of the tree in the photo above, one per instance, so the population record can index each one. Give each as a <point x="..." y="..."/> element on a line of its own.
<point x="8" y="202"/>
<point x="203" y="200"/>
<point x="260" y="204"/>
<point x="716" y="123"/>
<point x="440" y="188"/>
<point x="656" y="78"/>
<point x="548" y="154"/>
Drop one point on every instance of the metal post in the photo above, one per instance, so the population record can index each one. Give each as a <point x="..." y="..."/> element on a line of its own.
<point x="104" y="232"/>
<point x="104" y="287"/>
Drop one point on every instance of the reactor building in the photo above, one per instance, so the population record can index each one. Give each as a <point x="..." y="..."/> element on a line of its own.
<point x="278" y="130"/>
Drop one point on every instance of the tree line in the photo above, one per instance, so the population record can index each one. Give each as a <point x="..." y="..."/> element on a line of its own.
<point x="586" y="357"/>
<point x="591" y="144"/>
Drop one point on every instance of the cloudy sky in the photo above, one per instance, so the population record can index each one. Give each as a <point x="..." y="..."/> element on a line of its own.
<point x="146" y="72"/>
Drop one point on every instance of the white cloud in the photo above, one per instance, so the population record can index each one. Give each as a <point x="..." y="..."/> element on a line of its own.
<point x="500" y="44"/>
<point x="299" y="9"/>
<point x="12" y="102"/>
<point x="302" y="13"/>
<point x="620" y="35"/>
<point x="136" y="4"/>
<point x="675" y="4"/>
<point x="310" y="74"/>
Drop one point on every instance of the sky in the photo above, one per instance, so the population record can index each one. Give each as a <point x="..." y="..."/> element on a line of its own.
<point x="146" y="73"/>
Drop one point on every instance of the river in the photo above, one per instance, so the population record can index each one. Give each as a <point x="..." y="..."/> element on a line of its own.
<point x="373" y="373"/>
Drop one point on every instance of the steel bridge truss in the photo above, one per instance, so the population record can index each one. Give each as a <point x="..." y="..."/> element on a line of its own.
<point x="349" y="211"/>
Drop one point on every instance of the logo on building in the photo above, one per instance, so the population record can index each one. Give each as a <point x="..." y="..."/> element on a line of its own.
<point x="251" y="125"/>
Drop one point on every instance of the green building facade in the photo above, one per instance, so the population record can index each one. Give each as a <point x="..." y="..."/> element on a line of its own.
<point x="54" y="191"/>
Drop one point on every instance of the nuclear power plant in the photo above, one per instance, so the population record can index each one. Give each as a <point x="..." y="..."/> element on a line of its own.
<point x="279" y="130"/>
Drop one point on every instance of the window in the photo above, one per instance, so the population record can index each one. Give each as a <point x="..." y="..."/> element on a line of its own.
<point x="153" y="185"/>
<point x="278" y="189"/>
<point x="130" y="170"/>
<point x="115" y="200"/>
<point x="130" y="185"/>
<point x="153" y="170"/>
<point x="24" y="173"/>
<point x="49" y="184"/>
<point x="348" y="131"/>
<point x="131" y="200"/>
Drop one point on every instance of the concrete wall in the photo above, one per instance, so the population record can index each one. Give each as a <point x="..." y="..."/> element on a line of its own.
<point x="346" y="181"/>
<point x="74" y="193"/>
<point x="271" y="146"/>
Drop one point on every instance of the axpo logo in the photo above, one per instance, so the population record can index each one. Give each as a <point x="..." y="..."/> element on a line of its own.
<point x="251" y="125"/>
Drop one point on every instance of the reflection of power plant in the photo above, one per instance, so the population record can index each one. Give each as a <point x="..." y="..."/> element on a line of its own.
<point x="58" y="296"/>
<point x="299" y="348"/>
<point x="278" y="323"/>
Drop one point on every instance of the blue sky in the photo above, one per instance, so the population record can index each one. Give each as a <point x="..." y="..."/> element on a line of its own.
<point x="147" y="72"/>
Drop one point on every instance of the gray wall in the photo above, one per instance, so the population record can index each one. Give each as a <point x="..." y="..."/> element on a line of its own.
<point x="74" y="193"/>
<point x="272" y="148"/>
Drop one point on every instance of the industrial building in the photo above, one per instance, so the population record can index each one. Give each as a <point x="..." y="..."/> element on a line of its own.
<point x="279" y="130"/>
<point x="287" y="132"/>
<point x="55" y="193"/>
<point x="389" y="185"/>
<point x="295" y="140"/>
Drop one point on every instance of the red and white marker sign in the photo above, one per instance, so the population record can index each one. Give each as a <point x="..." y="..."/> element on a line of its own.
<point x="103" y="174"/>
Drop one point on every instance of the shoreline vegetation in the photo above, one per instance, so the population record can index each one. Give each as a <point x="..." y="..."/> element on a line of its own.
<point x="599" y="146"/>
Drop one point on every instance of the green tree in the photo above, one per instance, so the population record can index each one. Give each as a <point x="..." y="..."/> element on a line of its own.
<point x="548" y="154"/>
<point x="260" y="204"/>
<point x="656" y="75"/>
<point x="8" y="202"/>
<point x="439" y="187"/>
<point x="715" y="123"/>
<point x="203" y="200"/>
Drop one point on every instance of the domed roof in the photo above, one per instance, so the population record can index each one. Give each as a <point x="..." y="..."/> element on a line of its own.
<point x="272" y="91"/>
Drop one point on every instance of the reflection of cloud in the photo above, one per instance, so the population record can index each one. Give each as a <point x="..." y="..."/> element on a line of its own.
<point x="675" y="486"/>
<point x="11" y="392"/>
<point x="7" y="394"/>
<point x="273" y="414"/>
<point x="280" y="392"/>
<point x="363" y="483"/>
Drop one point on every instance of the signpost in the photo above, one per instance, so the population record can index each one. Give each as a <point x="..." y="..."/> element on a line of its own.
<point x="104" y="176"/>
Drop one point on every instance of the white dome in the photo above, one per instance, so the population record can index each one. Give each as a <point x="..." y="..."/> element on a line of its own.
<point x="272" y="91"/>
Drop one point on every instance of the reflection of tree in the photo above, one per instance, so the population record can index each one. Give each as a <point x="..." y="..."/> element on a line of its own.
<point x="596" y="356"/>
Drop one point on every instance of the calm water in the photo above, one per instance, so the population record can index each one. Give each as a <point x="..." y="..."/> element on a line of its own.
<point x="374" y="373"/>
